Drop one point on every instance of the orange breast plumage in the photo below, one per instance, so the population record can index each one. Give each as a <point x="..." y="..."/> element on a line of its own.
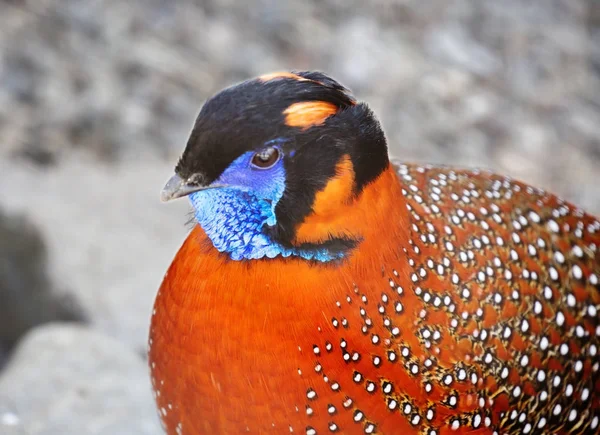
<point x="466" y="302"/>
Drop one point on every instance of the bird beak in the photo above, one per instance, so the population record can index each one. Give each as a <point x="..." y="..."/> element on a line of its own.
<point x="176" y="187"/>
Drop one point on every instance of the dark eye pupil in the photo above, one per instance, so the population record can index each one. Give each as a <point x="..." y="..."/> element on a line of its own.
<point x="266" y="158"/>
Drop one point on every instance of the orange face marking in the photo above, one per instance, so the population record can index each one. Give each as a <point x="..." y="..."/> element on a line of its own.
<point x="330" y="208"/>
<point x="281" y="75"/>
<point x="308" y="113"/>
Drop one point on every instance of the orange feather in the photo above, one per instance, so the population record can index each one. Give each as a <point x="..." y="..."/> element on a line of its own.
<point x="441" y="319"/>
<point x="308" y="113"/>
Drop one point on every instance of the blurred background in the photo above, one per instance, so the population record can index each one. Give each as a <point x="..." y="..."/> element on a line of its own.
<point x="96" y="101"/>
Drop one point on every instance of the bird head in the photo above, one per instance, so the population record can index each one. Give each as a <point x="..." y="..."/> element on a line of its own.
<point x="266" y="155"/>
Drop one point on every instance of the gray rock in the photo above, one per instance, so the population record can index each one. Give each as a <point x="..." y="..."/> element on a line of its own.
<point x="27" y="296"/>
<point x="66" y="379"/>
<point x="109" y="238"/>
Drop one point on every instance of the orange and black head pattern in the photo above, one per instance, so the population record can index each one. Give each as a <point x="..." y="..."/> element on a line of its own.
<point x="326" y="289"/>
<point x="316" y="126"/>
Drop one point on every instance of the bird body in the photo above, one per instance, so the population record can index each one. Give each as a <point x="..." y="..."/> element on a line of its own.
<point x="392" y="298"/>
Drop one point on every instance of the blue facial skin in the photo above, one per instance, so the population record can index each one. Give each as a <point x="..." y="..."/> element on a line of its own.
<point x="233" y="216"/>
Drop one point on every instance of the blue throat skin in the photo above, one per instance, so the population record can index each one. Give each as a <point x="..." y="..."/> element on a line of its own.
<point x="233" y="217"/>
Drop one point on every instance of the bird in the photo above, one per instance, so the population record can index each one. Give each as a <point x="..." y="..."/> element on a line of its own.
<point x="326" y="287"/>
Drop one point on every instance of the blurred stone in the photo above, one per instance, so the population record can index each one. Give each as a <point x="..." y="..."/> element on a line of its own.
<point x="124" y="80"/>
<point x="109" y="238"/>
<point x="455" y="47"/>
<point x="69" y="380"/>
<point x="21" y="77"/>
<point x="3" y="355"/>
<point x="38" y="155"/>
<point x="27" y="297"/>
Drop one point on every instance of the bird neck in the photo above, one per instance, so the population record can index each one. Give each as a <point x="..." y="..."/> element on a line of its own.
<point x="237" y="222"/>
<point x="375" y="219"/>
<point x="360" y="219"/>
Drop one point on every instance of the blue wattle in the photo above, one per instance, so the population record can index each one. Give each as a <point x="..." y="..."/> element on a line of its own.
<point x="234" y="217"/>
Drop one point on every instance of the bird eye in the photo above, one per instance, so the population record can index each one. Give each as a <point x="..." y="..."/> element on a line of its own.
<point x="266" y="158"/>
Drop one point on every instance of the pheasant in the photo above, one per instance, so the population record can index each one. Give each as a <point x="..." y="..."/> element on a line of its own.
<point x="326" y="288"/>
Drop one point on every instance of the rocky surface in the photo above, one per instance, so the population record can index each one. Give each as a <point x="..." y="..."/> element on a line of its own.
<point x="110" y="239"/>
<point x="512" y="85"/>
<point x="70" y="380"/>
<point x="27" y="295"/>
<point x="97" y="98"/>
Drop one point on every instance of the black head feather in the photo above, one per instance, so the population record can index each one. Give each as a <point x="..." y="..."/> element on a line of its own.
<point x="246" y="116"/>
